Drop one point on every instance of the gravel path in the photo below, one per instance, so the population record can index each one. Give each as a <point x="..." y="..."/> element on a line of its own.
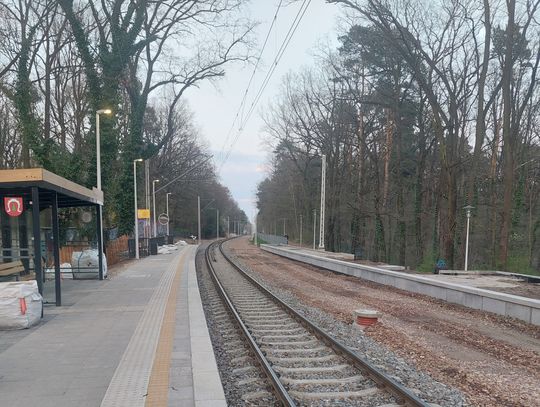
<point x="493" y="360"/>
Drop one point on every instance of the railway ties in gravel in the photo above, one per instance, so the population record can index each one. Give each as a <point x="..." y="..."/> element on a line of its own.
<point x="244" y="370"/>
<point x="304" y="365"/>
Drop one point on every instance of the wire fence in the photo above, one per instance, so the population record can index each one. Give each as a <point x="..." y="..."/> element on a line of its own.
<point x="272" y="239"/>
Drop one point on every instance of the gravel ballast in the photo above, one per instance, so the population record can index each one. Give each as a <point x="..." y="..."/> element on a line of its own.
<point x="492" y="360"/>
<point x="419" y="382"/>
<point x="243" y="381"/>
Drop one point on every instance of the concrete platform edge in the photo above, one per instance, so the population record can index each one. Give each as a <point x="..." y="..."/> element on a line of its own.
<point x="207" y="387"/>
<point x="514" y="306"/>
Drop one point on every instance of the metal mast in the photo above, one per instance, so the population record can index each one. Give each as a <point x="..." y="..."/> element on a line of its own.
<point x="323" y="200"/>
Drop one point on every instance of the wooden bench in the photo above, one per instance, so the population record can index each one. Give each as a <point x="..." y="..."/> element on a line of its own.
<point x="11" y="270"/>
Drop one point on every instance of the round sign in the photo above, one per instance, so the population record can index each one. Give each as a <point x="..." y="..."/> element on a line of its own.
<point x="163" y="219"/>
<point x="86" y="217"/>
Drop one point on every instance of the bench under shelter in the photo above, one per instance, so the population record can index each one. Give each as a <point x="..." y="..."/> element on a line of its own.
<point x="28" y="198"/>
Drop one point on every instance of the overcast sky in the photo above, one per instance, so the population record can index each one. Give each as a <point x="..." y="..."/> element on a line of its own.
<point x="215" y="108"/>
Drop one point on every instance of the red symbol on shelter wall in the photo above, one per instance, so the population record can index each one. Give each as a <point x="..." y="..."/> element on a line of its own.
<point x="13" y="206"/>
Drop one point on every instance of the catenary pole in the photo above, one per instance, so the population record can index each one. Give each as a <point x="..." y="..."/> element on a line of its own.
<point x="323" y="201"/>
<point x="300" y="230"/>
<point x="98" y="173"/>
<point x="199" y="219"/>
<point x="154" y="204"/>
<point x="314" y="226"/>
<point x="168" y="219"/>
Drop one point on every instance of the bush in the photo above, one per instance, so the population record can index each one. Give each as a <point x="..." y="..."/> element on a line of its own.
<point x="520" y="264"/>
<point x="428" y="263"/>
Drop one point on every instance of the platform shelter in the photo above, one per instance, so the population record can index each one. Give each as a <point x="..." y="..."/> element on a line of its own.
<point x="24" y="195"/>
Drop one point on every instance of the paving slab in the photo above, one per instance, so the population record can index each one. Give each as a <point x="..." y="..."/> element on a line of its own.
<point x="99" y="348"/>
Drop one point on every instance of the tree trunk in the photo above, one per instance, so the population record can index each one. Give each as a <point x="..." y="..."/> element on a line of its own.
<point x="508" y="153"/>
<point x="357" y="216"/>
<point x="480" y="129"/>
<point x="493" y="188"/>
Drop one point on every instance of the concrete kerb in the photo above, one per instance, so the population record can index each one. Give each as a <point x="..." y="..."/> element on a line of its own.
<point x="207" y="386"/>
<point x="510" y="305"/>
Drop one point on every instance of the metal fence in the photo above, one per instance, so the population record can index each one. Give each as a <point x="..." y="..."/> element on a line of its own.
<point x="271" y="239"/>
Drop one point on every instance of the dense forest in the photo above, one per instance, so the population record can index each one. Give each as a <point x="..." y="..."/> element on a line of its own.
<point x="425" y="107"/>
<point x="63" y="61"/>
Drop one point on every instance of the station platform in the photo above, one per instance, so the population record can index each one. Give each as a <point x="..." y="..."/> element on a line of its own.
<point x="137" y="339"/>
<point x="464" y="290"/>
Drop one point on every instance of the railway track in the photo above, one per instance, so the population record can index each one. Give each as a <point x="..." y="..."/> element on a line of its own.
<point x="303" y="365"/>
<point x="246" y="384"/>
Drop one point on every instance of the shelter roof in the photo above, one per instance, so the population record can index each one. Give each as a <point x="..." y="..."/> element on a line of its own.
<point x="19" y="182"/>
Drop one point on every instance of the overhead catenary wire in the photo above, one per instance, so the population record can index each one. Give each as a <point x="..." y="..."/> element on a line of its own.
<point x="243" y="102"/>
<point x="292" y="29"/>
<point x="189" y="170"/>
<point x="279" y="55"/>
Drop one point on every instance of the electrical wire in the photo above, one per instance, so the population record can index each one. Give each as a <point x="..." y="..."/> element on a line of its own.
<point x="189" y="170"/>
<point x="243" y="102"/>
<point x="292" y="29"/>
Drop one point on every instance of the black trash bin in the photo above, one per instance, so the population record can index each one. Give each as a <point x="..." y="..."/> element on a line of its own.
<point x="170" y="239"/>
<point x="160" y="240"/>
<point x="131" y="248"/>
<point x="143" y="246"/>
<point x="153" y="246"/>
<point x="358" y="253"/>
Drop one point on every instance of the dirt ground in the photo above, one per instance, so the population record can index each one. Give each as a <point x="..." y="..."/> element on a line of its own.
<point x="494" y="360"/>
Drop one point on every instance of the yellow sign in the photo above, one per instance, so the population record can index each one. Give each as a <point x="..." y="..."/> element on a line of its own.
<point x="143" y="213"/>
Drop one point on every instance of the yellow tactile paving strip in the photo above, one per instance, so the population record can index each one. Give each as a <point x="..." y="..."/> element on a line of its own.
<point x="158" y="387"/>
<point x="129" y="384"/>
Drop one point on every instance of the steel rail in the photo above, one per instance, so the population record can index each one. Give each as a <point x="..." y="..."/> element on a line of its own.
<point x="280" y="390"/>
<point x="400" y="392"/>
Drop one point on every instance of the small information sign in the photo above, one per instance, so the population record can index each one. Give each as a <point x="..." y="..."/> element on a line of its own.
<point x="143" y="213"/>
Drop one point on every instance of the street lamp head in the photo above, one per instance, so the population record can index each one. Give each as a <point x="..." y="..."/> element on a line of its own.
<point x="155" y="181"/>
<point x="468" y="208"/>
<point x="169" y="193"/>
<point x="104" y="111"/>
<point x="138" y="160"/>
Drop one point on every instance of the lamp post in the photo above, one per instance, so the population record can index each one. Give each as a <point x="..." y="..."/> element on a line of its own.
<point x="217" y="224"/>
<point x="468" y="208"/>
<point x="138" y="160"/>
<point x="168" y="220"/>
<point x="98" y="173"/>
<point x="154" y="204"/>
